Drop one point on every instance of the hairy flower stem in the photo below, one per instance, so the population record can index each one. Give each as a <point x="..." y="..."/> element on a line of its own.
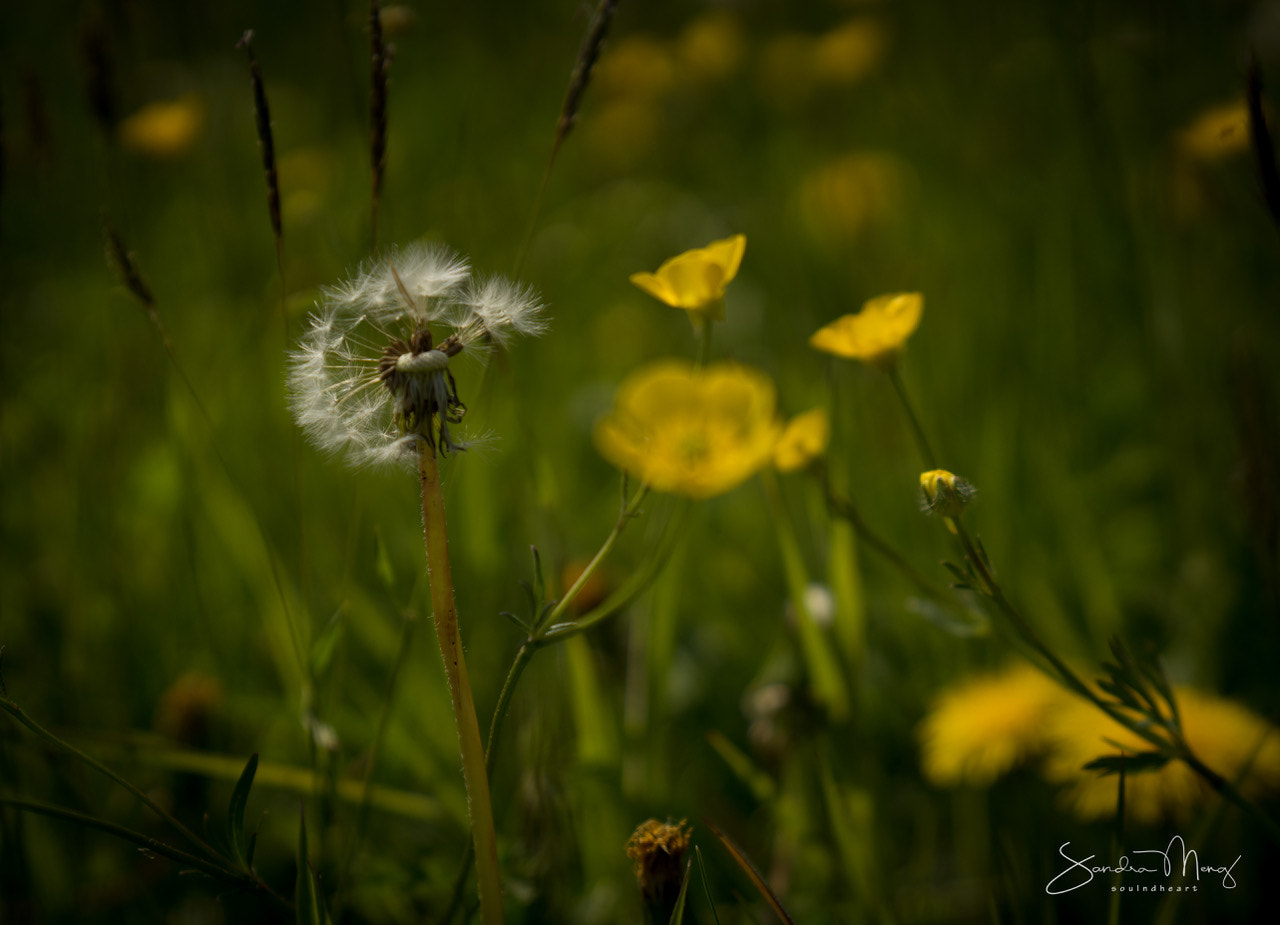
<point x="1166" y="738"/>
<point x="445" y="615"/>
<point x="926" y="451"/>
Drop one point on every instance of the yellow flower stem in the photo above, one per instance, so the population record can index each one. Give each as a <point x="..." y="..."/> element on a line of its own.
<point x="445" y="616"/>
<point x="704" y="321"/>
<point x="846" y="510"/>
<point x="829" y="688"/>
<point x="926" y="451"/>
<point x="1168" y="740"/>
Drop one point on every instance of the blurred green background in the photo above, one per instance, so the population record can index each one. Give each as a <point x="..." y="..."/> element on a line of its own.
<point x="182" y="575"/>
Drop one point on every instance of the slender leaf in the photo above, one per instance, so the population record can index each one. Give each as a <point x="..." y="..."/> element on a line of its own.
<point x="677" y="911"/>
<point x="235" y="812"/>
<point x="752" y="874"/>
<point x="306" y="901"/>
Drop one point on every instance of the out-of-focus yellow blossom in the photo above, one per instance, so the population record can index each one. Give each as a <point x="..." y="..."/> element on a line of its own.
<point x="691" y="431"/>
<point x="696" y="279"/>
<point x="712" y="46"/>
<point x="784" y="69"/>
<point x="840" y="198"/>
<point x="875" y="335"/>
<point x="637" y="66"/>
<point x="621" y="132"/>
<point x="803" y="440"/>
<point x="983" y="727"/>
<point x="848" y="52"/>
<point x="1225" y="735"/>
<point x="945" y="493"/>
<point x="1216" y="133"/>
<point x="164" y="129"/>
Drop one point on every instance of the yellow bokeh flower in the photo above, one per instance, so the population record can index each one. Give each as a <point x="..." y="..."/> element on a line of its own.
<point x="696" y="279"/>
<point x="803" y="440"/>
<point x="985" y="726"/>
<point x="164" y="129"/>
<point x="1225" y="735"/>
<point x="1216" y="133"/>
<point x="691" y="431"/>
<point x="839" y="199"/>
<point x="875" y="335"/>
<point x="849" y="52"/>
<point x="712" y="46"/>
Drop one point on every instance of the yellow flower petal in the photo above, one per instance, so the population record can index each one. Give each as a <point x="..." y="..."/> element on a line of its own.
<point x="877" y="334"/>
<point x="696" y="279"/>
<point x="982" y="728"/>
<point x="690" y="431"/>
<point x="804" y="439"/>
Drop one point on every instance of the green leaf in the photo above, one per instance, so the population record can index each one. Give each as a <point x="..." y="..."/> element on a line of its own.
<point x="1128" y="764"/>
<point x="326" y="644"/>
<point x="706" y="887"/>
<point x="677" y="911"/>
<point x="306" y="901"/>
<point x="235" y="812"/>
<point x="382" y="563"/>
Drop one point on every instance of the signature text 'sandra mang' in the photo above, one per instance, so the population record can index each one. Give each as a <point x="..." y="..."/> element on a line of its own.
<point x="1080" y="872"/>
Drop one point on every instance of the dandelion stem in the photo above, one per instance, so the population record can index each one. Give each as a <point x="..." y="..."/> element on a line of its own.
<point x="926" y="451"/>
<point x="445" y="616"/>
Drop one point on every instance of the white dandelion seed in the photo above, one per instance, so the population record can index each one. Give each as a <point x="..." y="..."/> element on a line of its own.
<point x="371" y="378"/>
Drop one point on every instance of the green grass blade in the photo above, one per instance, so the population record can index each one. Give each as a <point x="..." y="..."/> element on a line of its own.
<point x="235" y="811"/>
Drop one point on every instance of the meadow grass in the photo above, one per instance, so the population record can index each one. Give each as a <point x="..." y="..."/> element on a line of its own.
<point x="186" y="581"/>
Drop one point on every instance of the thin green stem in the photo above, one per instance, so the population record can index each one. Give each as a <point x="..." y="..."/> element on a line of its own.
<point x="20" y="715"/>
<point x="828" y="685"/>
<point x="926" y="451"/>
<point x="846" y="510"/>
<point x="220" y="871"/>
<point x="445" y="615"/>
<point x="375" y="748"/>
<point x="703" y="322"/>
<point x="1171" y="743"/>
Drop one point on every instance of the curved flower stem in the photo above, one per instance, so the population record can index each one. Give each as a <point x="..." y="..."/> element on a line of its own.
<point x="540" y="636"/>
<point x="846" y="510"/>
<point x="445" y="616"/>
<point x="245" y="880"/>
<point x="203" y="847"/>
<point x="926" y="451"/>
<point x="1166" y="738"/>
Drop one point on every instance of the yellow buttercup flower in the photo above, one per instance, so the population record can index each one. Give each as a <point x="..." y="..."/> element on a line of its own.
<point x="164" y="129"/>
<point x="945" y="493"/>
<point x="875" y="335"/>
<point x="1225" y="735"/>
<point x="696" y="279"/>
<point x="692" y="431"/>
<point x="984" y="727"/>
<point x="803" y="440"/>
<point x="1216" y="133"/>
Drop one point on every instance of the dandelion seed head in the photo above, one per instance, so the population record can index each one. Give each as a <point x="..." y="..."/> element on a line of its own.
<point x="371" y="377"/>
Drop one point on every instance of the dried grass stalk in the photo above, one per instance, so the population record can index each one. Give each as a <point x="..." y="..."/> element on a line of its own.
<point x="588" y="54"/>
<point x="262" y="117"/>
<point x="380" y="66"/>
<point x="1264" y="152"/>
